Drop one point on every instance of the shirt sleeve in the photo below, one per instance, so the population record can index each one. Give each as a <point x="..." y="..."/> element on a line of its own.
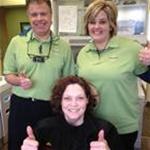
<point x="69" y="65"/>
<point x="43" y="131"/>
<point x="10" y="59"/>
<point x="113" y="139"/>
<point x="145" y="76"/>
<point x="110" y="133"/>
<point x="47" y="132"/>
<point x="139" y="67"/>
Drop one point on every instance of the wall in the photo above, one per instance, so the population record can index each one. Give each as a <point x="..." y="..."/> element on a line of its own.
<point x="10" y="18"/>
<point x="3" y="35"/>
<point x="80" y="6"/>
<point x="14" y="16"/>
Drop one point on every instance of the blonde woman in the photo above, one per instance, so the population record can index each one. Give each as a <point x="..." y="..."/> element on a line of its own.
<point x="112" y="64"/>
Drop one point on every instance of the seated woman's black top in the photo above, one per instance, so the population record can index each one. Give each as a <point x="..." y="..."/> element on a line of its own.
<point x="63" y="136"/>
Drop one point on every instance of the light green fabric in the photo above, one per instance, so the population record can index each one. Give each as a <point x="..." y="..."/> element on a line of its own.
<point x="113" y="73"/>
<point x="43" y="75"/>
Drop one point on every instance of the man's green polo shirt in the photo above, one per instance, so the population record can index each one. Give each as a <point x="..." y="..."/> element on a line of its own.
<point x="18" y="59"/>
<point x="113" y="72"/>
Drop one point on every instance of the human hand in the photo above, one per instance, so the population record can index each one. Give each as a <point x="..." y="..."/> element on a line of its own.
<point x="100" y="144"/>
<point x="30" y="142"/>
<point x="144" y="55"/>
<point x="25" y="82"/>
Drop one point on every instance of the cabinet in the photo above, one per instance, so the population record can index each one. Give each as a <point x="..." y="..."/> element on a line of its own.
<point x="5" y="92"/>
<point x="0" y="2"/>
<point x="12" y="2"/>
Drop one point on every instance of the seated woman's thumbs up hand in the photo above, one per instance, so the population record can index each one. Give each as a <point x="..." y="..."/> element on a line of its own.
<point x="30" y="142"/>
<point x="100" y="144"/>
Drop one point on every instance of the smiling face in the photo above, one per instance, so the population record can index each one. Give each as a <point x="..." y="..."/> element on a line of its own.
<point x="99" y="27"/>
<point x="40" y="19"/>
<point x="74" y="104"/>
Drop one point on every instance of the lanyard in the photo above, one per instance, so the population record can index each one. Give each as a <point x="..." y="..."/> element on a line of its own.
<point x="39" y="58"/>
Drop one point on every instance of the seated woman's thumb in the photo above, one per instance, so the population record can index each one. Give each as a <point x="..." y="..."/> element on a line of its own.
<point x="101" y="135"/>
<point x="30" y="132"/>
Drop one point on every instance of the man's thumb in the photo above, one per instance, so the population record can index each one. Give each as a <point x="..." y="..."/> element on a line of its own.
<point x="101" y="135"/>
<point x="30" y="133"/>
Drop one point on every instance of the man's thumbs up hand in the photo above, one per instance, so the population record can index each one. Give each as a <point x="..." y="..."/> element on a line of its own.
<point x="30" y="142"/>
<point x="101" y="143"/>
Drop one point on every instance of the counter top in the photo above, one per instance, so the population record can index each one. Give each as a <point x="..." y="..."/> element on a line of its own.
<point x="3" y="84"/>
<point x="82" y="40"/>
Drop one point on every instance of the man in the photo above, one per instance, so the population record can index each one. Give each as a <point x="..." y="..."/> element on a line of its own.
<point x="32" y="64"/>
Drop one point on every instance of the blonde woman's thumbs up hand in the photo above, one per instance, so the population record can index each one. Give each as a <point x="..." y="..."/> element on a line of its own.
<point x="144" y="55"/>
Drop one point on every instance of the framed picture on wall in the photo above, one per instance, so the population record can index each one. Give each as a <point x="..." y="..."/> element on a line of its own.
<point x="24" y="26"/>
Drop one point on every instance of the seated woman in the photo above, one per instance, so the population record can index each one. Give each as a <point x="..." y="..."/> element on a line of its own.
<point x="74" y="127"/>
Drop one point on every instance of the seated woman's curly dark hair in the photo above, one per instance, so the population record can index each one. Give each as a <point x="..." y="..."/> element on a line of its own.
<point x="60" y="87"/>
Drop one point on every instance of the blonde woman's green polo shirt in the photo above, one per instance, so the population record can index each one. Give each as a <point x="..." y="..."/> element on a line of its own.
<point x="19" y="59"/>
<point x="114" y="72"/>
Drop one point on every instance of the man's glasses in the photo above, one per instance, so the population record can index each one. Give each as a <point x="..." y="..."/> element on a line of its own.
<point x="38" y="58"/>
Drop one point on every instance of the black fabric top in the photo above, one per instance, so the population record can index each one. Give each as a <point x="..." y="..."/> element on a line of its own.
<point x="63" y="136"/>
<point x="145" y="76"/>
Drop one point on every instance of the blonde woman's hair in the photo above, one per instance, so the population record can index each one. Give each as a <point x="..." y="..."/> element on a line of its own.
<point x="108" y="7"/>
